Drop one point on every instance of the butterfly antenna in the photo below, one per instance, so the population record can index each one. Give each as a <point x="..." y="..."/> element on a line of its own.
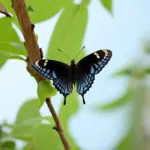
<point x="79" y="52"/>
<point x="65" y="54"/>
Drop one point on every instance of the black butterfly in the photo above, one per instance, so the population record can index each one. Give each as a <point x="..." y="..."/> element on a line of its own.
<point x="82" y="74"/>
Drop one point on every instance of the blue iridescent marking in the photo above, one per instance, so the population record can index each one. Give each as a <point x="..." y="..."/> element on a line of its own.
<point x="54" y="75"/>
<point x="48" y="76"/>
<point x="42" y="72"/>
<point x="47" y="72"/>
<point x="85" y="88"/>
<point x="96" y="65"/>
<point x="40" y="69"/>
<point x="92" y="69"/>
<point x="65" y="90"/>
<point x="81" y="90"/>
<point x="44" y="69"/>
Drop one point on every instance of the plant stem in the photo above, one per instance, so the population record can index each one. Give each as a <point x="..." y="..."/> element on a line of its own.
<point x="34" y="54"/>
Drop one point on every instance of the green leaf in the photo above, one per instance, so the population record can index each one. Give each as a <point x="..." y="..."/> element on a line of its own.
<point x="126" y="143"/>
<point x="43" y="10"/>
<point x="28" y="146"/>
<point x="30" y="8"/>
<point x="45" y="138"/>
<point x="29" y="110"/>
<point x="49" y="119"/>
<point x="66" y="112"/>
<point x="45" y="90"/>
<point x="27" y="119"/>
<point x="134" y="71"/>
<point x="8" y="145"/>
<point x="13" y="48"/>
<point x="3" y="133"/>
<point x="147" y="70"/>
<point x="9" y="41"/>
<point x="127" y="97"/>
<point x="7" y="55"/>
<point x="107" y="4"/>
<point x="69" y="33"/>
<point x="2" y="62"/>
<point x="8" y="33"/>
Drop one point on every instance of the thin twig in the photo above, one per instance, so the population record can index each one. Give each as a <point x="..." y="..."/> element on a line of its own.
<point x="34" y="53"/>
<point x="4" y="11"/>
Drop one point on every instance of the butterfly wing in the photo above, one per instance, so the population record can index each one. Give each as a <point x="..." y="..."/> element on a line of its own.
<point x="56" y="71"/>
<point x="88" y="67"/>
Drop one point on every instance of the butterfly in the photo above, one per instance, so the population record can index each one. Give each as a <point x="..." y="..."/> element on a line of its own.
<point x="81" y="75"/>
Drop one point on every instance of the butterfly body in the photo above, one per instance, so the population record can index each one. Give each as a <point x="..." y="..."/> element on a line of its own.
<point x="72" y="72"/>
<point x="80" y="75"/>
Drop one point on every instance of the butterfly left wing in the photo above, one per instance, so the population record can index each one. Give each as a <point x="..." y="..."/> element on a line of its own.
<point x="88" y="67"/>
<point x="57" y="72"/>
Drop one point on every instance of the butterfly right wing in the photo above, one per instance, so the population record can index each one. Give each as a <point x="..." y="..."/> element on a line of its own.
<point x="56" y="71"/>
<point x="88" y="67"/>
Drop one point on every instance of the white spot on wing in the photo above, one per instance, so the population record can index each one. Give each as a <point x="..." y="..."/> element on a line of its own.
<point x="106" y="52"/>
<point x="97" y="55"/>
<point x="37" y="63"/>
<point x="45" y="63"/>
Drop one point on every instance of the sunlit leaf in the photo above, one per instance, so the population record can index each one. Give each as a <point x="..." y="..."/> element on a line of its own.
<point x="45" y="90"/>
<point x="69" y="33"/>
<point x="13" y="48"/>
<point x="107" y="4"/>
<point x="43" y="10"/>
<point x="8" y="33"/>
<point x="66" y="113"/>
<point x="45" y="138"/>
<point x="9" y="39"/>
<point x="127" y="97"/>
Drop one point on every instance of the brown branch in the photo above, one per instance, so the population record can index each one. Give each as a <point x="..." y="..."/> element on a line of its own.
<point x="34" y="53"/>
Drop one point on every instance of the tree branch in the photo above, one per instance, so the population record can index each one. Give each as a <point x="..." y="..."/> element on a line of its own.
<point x="34" y="53"/>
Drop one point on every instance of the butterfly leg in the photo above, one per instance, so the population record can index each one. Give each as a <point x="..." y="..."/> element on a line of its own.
<point x="83" y="99"/>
